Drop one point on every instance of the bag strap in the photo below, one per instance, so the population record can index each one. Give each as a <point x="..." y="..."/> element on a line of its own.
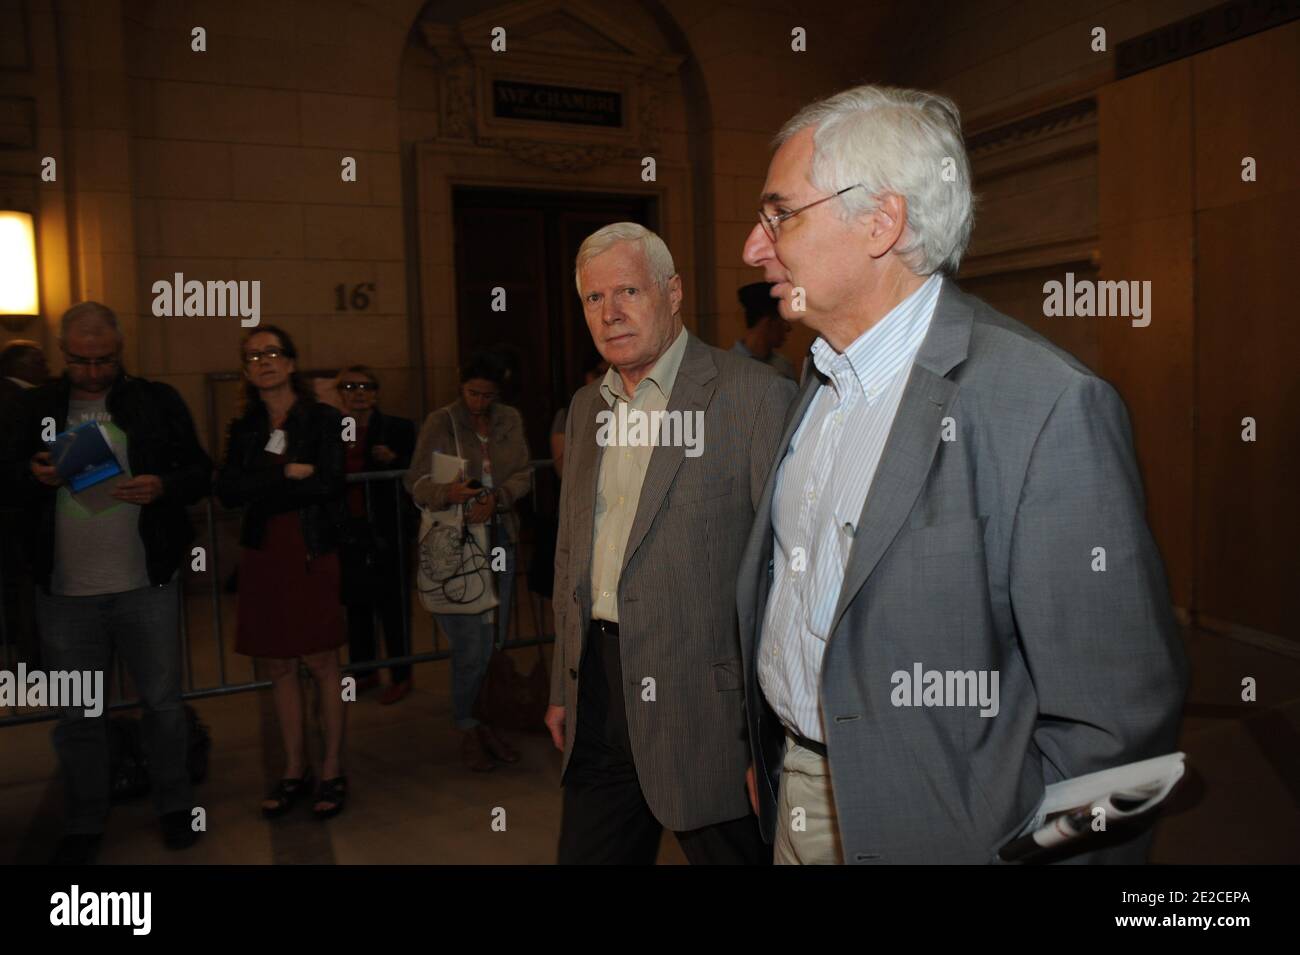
<point x="455" y="433"/>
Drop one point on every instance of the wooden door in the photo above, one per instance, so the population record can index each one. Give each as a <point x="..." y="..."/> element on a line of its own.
<point x="524" y="242"/>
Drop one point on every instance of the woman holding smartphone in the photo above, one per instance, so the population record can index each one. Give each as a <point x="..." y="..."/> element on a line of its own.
<point x="284" y="465"/>
<point x="489" y="436"/>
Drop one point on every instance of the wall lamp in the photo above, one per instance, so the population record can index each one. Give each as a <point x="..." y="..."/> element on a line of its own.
<point x="19" y="295"/>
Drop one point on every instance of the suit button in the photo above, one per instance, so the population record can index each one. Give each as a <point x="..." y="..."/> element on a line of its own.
<point x="573" y="674"/>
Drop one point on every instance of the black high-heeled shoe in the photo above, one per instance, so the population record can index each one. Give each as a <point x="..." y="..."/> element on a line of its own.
<point x="333" y="791"/>
<point x="286" y="794"/>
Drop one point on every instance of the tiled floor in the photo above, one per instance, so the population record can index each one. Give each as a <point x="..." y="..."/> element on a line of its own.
<point x="413" y="803"/>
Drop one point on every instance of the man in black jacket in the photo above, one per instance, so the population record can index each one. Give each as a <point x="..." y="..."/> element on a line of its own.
<point x="105" y="561"/>
<point x="22" y="367"/>
<point x="373" y="568"/>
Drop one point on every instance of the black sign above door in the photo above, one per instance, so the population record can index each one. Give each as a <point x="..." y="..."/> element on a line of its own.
<point x="556" y="104"/>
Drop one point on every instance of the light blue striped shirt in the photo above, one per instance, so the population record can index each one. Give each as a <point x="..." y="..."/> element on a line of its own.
<point x="821" y="487"/>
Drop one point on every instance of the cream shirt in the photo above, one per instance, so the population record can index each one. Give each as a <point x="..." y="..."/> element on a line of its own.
<point x="622" y="471"/>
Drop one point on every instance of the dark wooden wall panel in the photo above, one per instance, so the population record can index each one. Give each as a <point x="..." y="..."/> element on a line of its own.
<point x="1145" y="198"/>
<point x="1247" y="95"/>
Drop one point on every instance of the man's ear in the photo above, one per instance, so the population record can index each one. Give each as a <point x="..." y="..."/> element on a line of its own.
<point x="675" y="293"/>
<point x="887" y="223"/>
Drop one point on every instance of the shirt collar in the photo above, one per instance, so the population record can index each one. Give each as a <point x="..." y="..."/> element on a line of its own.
<point x="662" y="375"/>
<point x="875" y="356"/>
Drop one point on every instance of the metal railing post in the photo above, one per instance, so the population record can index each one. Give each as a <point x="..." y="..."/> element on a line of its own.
<point x="214" y="568"/>
<point x="407" y="635"/>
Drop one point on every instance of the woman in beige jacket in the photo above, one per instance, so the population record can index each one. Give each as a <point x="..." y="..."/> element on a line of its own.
<point x="490" y="437"/>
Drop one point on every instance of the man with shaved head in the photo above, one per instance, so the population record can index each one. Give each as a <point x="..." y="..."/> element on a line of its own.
<point x="106" y="562"/>
<point x="22" y="366"/>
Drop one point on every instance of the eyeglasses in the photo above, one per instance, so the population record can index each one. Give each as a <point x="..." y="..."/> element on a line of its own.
<point x="81" y="362"/>
<point x="253" y="357"/>
<point x="359" y="386"/>
<point x="772" y="223"/>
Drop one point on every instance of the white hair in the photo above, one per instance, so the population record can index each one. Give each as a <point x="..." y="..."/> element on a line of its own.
<point x="657" y="256"/>
<point x="906" y="142"/>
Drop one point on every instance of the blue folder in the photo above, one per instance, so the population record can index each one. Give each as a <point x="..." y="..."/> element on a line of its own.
<point x="83" y="457"/>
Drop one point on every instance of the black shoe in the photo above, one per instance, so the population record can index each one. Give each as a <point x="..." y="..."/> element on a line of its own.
<point x="177" y="831"/>
<point x="286" y="793"/>
<point x="334" y="793"/>
<point x="78" y="848"/>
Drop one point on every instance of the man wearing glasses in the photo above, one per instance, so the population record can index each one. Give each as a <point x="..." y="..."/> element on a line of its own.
<point x="372" y="570"/>
<point x="105" y="560"/>
<point x="945" y="479"/>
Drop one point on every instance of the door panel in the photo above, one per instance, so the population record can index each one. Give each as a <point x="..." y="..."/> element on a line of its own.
<point x="525" y="242"/>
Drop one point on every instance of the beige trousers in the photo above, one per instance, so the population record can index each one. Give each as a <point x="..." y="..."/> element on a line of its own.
<point x="806" y="829"/>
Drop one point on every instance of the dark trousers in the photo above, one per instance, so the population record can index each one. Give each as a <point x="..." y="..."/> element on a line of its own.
<point x="374" y="588"/>
<point x="606" y="818"/>
<point x="18" y="589"/>
<point x="81" y="633"/>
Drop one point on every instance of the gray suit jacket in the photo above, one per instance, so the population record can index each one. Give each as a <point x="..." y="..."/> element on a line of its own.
<point x="977" y="553"/>
<point x="676" y="598"/>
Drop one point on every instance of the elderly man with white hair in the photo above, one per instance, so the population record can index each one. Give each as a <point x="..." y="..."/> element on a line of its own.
<point x="950" y="597"/>
<point x="665" y="458"/>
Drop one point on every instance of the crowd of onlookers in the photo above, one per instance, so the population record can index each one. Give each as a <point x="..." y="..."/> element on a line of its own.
<point x="93" y="574"/>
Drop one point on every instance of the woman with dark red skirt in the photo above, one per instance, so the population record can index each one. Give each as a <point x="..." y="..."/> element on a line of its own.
<point x="284" y="466"/>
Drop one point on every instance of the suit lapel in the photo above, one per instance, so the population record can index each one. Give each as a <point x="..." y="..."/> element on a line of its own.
<point x="913" y="439"/>
<point x="692" y="391"/>
<point x="585" y="473"/>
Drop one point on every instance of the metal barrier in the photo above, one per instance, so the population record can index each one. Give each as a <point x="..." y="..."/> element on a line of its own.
<point x="225" y="687"/>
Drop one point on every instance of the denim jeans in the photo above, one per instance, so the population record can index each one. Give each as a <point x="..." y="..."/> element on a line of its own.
<point x="81" y="633"/>
<point x="471" y="637"/>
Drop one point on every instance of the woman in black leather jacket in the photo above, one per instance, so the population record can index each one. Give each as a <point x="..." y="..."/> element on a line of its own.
<point x="284" y="466"/>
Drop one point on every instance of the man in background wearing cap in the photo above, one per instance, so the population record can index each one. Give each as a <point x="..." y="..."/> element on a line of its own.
<point x="765" y="328"/>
